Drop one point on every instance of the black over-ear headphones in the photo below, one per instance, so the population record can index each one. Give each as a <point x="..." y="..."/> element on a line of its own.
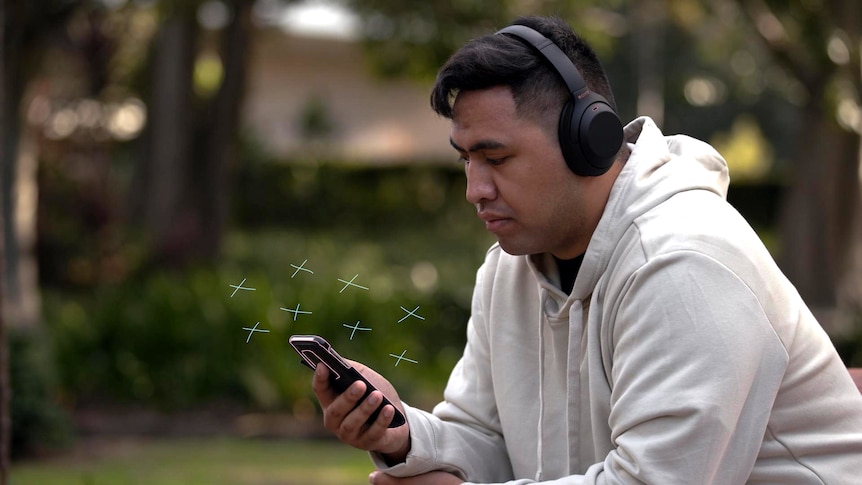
<point x="590" y="131"/>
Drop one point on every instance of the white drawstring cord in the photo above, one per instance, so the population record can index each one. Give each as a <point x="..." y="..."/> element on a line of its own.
<point x="539" y="454"/>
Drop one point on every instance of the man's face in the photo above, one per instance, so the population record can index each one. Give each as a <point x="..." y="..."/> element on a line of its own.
<point x="518" y="180"/>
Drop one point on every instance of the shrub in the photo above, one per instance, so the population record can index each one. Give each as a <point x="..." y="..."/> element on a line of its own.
<point x="176" y="339"/>
<point x="39" y="423"/>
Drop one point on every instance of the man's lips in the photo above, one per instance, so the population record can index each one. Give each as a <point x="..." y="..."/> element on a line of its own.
<point x="494" y="221"/>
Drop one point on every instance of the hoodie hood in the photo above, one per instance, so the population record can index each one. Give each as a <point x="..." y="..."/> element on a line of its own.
<point x="658" y="168"/>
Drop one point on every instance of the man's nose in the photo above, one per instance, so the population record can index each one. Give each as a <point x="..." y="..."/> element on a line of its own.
<point x="480" y="184"/>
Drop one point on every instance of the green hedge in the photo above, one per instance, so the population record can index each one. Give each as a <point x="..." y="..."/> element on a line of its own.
<point x="175" y="339"/>
<point x="39" y="422"/>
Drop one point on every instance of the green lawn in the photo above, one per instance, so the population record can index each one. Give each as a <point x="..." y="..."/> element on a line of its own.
<point x="189" y="461"/>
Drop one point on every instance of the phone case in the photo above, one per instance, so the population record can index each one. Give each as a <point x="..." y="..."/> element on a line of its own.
<point x="315" y="349"/>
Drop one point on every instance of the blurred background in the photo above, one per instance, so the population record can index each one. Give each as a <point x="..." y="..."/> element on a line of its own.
<point x="158" y="154"/>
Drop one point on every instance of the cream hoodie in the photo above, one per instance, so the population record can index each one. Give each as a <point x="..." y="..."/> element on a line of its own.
<point x="683" y="355"/>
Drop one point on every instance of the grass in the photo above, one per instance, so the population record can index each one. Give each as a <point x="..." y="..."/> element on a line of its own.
<point x="199" y="461"/>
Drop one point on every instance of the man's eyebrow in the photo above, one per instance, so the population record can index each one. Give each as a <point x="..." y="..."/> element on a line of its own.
<point x="479" y="145"/>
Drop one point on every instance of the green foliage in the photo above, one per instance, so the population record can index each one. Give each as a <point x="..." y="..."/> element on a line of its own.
<point x="370" y="200"/>
<point x="38" y="421"/>
<point x="175" y="339"/>
<point x="145" y="341"/>
<point x="414" y="38"/>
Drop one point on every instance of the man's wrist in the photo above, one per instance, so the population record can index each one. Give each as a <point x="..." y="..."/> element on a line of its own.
<point x="399" y="456"/>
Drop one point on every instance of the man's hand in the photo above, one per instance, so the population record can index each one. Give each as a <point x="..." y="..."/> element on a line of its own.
<point x="430" y="478"/>
<point x="348" y="424"/>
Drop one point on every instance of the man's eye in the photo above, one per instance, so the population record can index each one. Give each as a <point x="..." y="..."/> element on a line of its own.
<point x="495" y="161"/>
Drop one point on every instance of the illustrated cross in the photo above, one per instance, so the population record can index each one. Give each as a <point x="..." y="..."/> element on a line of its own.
<point x="354" y="327"/>
<point x="295" y="311"/>
<point x="401" y="357"/>
<point x="411" y="313"/>
<point x="240" y="287"/>
<point x="299" y="268"/>
<point x="351" y="283"/>
<point x="253" y="330"/>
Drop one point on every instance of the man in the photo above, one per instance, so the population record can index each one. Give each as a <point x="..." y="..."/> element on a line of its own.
<point x="629" y="326"/>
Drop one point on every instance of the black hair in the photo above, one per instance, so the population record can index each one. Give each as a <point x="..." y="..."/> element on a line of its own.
<point x="503" y="60"/>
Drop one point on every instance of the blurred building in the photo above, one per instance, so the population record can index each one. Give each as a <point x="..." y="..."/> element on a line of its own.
<point x="313" y="97"/>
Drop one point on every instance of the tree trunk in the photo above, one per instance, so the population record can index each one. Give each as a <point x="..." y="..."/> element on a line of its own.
<point x="5" y="384"/>
<point x="220" y="131"/>
<point x="815" y="220"/>
<point x="850" y="286"/>
<point x="184" y="180"/>
<point x="820" y="215"/>
<point x="5" y="387"/>
<point x="650" y="19"/>
<point x="165" y="172"/>
<point x="11" y="93"/>
<point x="23" y="301"/>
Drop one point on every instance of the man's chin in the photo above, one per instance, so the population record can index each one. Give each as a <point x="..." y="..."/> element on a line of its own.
<point x="514" y="249"/>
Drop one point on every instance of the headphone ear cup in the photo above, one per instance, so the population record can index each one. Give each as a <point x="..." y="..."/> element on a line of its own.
<point x="600" y="135"/>
<point x="589" y="138"/>
<point x="567" y="133"/>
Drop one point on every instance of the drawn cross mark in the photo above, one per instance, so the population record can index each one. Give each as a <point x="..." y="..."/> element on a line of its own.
<point x="411" y="313"/>
<point x="295" y="312"/>
<point x="240" y="287"/>
<point x="401" y="357"/>
<point x="355" y="327"/>
<point x="252" y="330"/>
<point x="299" y="268"/>
<point x="351" y="283"/>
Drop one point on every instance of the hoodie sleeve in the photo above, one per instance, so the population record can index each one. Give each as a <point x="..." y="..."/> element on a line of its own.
<point x="696" y="368"/>
<point x="463" y="434"/>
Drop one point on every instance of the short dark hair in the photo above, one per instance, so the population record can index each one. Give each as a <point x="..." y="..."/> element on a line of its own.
<point x="503" y="60"/>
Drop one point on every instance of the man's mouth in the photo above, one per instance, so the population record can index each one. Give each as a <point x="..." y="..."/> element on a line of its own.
<point x="494" y="222"/>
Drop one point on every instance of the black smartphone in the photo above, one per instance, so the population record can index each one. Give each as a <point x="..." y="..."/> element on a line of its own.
<point x="314" y="349"/>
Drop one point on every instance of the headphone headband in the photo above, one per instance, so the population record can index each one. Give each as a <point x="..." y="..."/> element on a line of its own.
<point x="561" y="62"/>
<point x="589" y="129"/>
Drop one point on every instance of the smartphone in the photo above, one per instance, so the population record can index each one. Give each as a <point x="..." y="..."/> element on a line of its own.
<point x="314" y="349"/>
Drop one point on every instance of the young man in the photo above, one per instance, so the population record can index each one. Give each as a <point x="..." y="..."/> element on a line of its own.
<point x="629" y="326"/>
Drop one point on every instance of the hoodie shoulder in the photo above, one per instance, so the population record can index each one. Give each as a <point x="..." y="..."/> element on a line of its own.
<point x="658" y="168"/>
<point x="687" y="145"/>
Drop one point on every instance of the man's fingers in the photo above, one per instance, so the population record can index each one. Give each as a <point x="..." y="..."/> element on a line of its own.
<point x="321" y="387"/>
<point x="340" y="415"/>
<point x="350" y="415"/>
<point x="357" y="422"/>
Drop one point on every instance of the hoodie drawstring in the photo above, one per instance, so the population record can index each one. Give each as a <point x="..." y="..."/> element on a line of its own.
<point x="539" y="452"/>
<point x="573" y="378"/>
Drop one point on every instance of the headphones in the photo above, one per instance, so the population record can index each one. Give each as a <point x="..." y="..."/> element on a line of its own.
<point x="590" y="131"/>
